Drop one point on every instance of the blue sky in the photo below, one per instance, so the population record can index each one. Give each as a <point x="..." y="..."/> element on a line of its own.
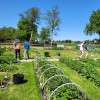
<point x="74" y="15"/>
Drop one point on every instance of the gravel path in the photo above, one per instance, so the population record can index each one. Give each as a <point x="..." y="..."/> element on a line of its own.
<point x="30" y="60"/>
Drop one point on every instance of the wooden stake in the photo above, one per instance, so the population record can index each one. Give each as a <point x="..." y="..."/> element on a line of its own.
<point x="1" y="83"/>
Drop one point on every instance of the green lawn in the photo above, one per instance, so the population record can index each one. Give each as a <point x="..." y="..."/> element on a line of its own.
<point x="26" y="91"/>
<point x="74" y="54"/>
<point x="68" y="44"/>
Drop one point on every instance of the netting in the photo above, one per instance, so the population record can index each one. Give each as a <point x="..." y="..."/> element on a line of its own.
<point x="54" y="84"/>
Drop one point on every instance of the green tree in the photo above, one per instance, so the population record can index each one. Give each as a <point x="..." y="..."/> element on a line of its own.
<point x="53" y="20"/>
<point x="28" y="21"/>
<point x="94" y="25"/>
<point x="3" y="32"/>
<point x="7" y="33"/>
<point x="45" y="33"/>
<point x="20" y="34"/>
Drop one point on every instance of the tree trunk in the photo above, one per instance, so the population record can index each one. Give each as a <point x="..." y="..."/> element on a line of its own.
<point x="99" y="38"/>
<point x="51" y="38"/>
<point x="31" y="36"/>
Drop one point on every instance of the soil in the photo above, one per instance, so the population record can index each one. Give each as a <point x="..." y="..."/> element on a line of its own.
<point x="3" y="72"/>
<point x="55" y="57"/>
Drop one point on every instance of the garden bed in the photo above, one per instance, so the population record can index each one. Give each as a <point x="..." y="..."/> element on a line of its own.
<point x="54" y="84"/>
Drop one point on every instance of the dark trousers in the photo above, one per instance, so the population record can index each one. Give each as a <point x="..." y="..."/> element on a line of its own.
<point x="17" y="51"/>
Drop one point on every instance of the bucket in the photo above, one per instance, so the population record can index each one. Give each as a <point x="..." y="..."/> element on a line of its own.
<point x="18" y="78"/>
<point x="58" y="54"/>
<point x="46" y="54"/>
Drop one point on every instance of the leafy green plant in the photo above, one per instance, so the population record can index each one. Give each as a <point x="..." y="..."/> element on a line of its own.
<point x="95" y="63"/>
<point x="7" y="59"/>
<point x="2" y="50"/>
<point x="68" y="92"/>
<point x="86" y="70"/>
<point x="7" y="67"/>
<point x="64" y="93"/>
<point x="6" y="63"/>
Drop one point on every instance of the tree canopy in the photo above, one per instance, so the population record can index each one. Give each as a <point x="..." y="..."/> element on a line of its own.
<point x="94" y="24"/>
<point x="53" y="21"/>
<point x="28" y="21"/>
<point x="7" y="33"/>
<point x="45" y="33"/>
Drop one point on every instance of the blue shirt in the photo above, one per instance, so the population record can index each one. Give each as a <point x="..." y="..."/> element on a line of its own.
<point x="26" y="45"/>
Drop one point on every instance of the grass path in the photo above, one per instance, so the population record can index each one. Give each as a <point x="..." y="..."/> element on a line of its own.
<point x="90" y="89"/>
<point x="26" y="91"/>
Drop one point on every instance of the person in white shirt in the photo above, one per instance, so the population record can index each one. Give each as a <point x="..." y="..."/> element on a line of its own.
<point x="81" y="50"/>
<point x="86" y="50"/>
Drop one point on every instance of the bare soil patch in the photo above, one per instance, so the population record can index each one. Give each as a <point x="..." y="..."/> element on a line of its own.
<point x="3" y="72"/>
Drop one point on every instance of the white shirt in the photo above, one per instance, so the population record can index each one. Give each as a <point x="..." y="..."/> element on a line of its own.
<point x="81" y="46"/>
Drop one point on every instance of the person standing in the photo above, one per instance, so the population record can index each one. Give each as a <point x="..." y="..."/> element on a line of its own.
<point x="26" y="46"/>
<point x="86" y="50"/>
<point x="17" y="49"/>
<point x="14" y="44"/>
<point x="81" y="50"/>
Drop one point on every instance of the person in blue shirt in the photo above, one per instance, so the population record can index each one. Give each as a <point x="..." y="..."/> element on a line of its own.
<point x="26" y="46"/>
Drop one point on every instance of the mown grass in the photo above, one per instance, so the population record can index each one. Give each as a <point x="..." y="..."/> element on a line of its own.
<point x="68" y="44"/>
<point x="25" y="91"/>
<point x="92" y="91"/>
<point x="74" y="54"/>
<point x="53" y="53"/>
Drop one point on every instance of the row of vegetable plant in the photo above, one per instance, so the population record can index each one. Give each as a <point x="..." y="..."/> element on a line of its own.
<point x="6" y="65"/>
<point x="94" y="50"/>
<point x="2" y="50"/>
<point x="95" y="63"/>
<point x="86" y="70"/>
<point x="54" y="84"/>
